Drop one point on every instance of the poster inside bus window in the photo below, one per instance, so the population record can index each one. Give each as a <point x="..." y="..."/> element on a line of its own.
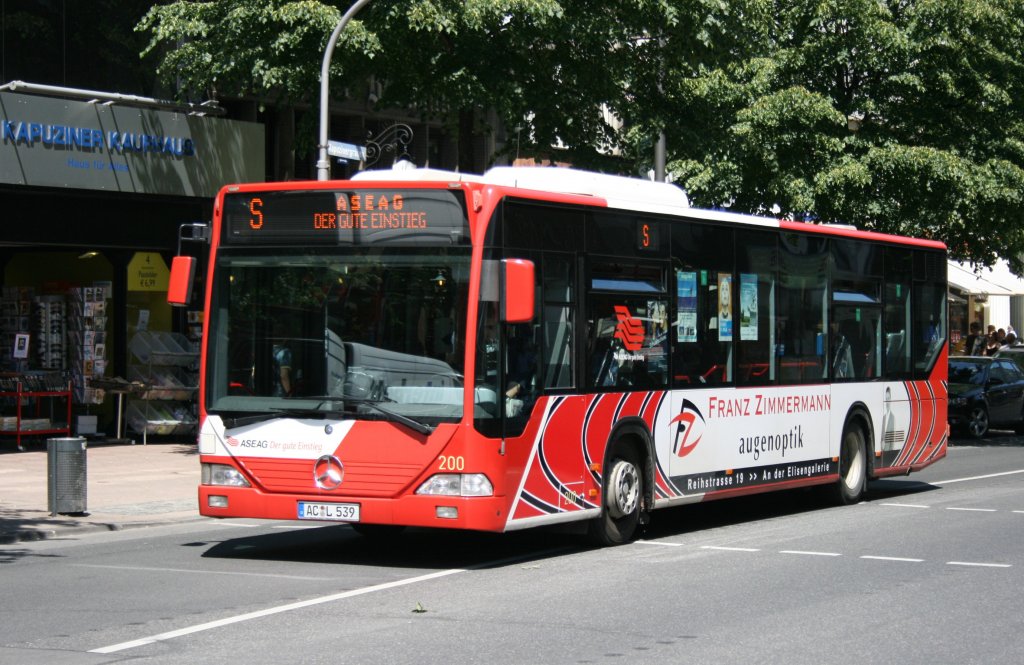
<point x="724" y="307"/>
<point x="686" y="297"/>
<point x="366" y="216"/>
<point x="748" y="307"/>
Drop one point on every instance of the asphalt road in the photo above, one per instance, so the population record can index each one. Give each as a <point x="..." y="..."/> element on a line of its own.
<point x="929" y="570"/>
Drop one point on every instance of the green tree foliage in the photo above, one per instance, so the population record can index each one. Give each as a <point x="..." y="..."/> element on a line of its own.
<point x="900" y="116"/>
<point x="248" y="47"/>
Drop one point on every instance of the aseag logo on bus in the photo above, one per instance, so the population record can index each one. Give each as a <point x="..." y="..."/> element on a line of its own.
<point x="629" y="331"/>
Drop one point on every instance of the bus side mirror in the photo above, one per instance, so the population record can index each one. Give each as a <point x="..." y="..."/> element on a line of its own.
<point x="517" y="287"/>
<point x="183" y="272"/>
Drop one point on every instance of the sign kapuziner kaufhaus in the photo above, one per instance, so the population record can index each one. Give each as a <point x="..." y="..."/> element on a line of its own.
<point x="51" y="142"/>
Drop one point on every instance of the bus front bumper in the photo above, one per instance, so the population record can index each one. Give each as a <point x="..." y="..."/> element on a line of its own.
<point x="445" y="512"/>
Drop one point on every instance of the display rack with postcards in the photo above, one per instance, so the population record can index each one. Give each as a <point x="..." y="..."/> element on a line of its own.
<point x="87" y="309"/>
<point x="15" y="327"/>
<point x="166" y="366"/>
<point x="50" y="328"/>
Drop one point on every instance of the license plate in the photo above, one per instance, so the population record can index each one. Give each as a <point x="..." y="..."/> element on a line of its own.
<point x="337" y="512"/>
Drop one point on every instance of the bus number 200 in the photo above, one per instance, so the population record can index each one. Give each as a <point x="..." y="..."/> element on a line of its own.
<point x="452" y="463"/>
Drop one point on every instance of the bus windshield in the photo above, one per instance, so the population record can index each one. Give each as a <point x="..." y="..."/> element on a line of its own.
<point x="372" y="331"/>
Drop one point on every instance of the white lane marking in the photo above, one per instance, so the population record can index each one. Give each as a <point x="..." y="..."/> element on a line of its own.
<point x="1019" y="512"/>
<point x="227" y="621"/>
<point x="237" y="525"/>
<point x="658" y="542"/>
<point x="729" y="549"/>
<point x="905" y="505"/>
<point x="810" y="553"/>
<point x="985" y="477"/>
<point x="978" y="565"/>
<point x="974" y="510"/>
<point x="891" y="558"/>
<point x="200" y="572"/>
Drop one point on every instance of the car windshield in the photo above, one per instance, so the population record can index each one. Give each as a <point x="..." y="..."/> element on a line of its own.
<point x="967" y="371"/>
<point x="326" y="331"/>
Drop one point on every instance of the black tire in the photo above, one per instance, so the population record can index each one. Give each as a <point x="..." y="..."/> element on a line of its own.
<point x="853" y="466"/>
<point x="622" y="501"/>
<point x="977" y="421"/>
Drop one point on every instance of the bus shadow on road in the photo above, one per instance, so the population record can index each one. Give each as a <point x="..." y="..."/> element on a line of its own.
<point x="439" y="549"/>
<point x="699" y="517"/>
<point x="411" y="548"/>
<point x="889" y="488"/>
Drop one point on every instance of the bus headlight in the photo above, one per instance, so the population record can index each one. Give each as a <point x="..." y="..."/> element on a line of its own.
<point x="222" y="474"/>
<point x="457" y="484"/>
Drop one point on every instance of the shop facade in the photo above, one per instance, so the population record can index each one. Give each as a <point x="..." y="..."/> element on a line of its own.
<point x="92" y="196"/>
<point x="988" y="296"/>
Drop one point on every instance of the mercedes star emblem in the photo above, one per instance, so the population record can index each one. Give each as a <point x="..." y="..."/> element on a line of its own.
<point x="327" y="472"/>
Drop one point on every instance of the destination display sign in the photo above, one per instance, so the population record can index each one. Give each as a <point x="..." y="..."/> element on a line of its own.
<point x="355" y="216"/>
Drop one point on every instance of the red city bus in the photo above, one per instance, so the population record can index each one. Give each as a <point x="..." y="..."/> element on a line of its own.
<point x="535" y="346"/>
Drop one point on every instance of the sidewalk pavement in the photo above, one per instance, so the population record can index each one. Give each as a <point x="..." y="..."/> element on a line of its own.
<point x="126" y="486"/>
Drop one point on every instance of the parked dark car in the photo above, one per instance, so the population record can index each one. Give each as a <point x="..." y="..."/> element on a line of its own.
<point x="1014" y="353"/>
<point x="985" y="392"/>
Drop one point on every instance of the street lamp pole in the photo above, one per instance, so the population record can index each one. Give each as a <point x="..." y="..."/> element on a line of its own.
<point x="659" y="144"/>
<point x="659" y="157"/>
<point x="323" y="164"/>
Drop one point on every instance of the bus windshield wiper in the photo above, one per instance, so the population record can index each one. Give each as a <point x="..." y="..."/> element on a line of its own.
<point x="238" y="421"/>
<point x="412" y="424"/>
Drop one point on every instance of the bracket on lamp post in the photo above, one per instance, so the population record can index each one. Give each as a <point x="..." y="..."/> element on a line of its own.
<point x="395" y="138"/>
<point x="323" y="164"/>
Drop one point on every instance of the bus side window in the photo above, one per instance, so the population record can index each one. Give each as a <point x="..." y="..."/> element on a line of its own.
<point x="898" y="315"/>
<point x="520" y="369"/>
<point x="702" y="258"/>
<point x="929" y="310"/>
<point x="557" y="320"/>
<point x="803" y="264"/>
<point x="538" y="356"/>
<point x="627" y="342"/>
<point x="757" y="344"/>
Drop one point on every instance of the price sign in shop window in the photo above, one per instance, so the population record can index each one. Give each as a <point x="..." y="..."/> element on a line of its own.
<point x="147" y="271"/>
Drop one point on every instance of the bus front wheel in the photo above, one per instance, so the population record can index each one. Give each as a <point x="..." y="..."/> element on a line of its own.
<point x="623" y="499"/>
<point x="853" y="466"/>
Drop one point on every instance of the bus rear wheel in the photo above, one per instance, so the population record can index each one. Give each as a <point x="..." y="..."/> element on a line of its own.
<point x="623" y="500"/>
<point x="853" y="466"/>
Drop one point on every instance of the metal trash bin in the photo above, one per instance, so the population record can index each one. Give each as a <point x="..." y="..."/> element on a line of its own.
<point x="66" y="475"/>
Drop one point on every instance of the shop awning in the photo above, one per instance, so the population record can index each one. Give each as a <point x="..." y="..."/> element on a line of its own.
<point x="995" y="281"/>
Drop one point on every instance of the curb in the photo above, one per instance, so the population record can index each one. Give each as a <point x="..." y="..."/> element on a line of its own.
<point x="31" y="535"/>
